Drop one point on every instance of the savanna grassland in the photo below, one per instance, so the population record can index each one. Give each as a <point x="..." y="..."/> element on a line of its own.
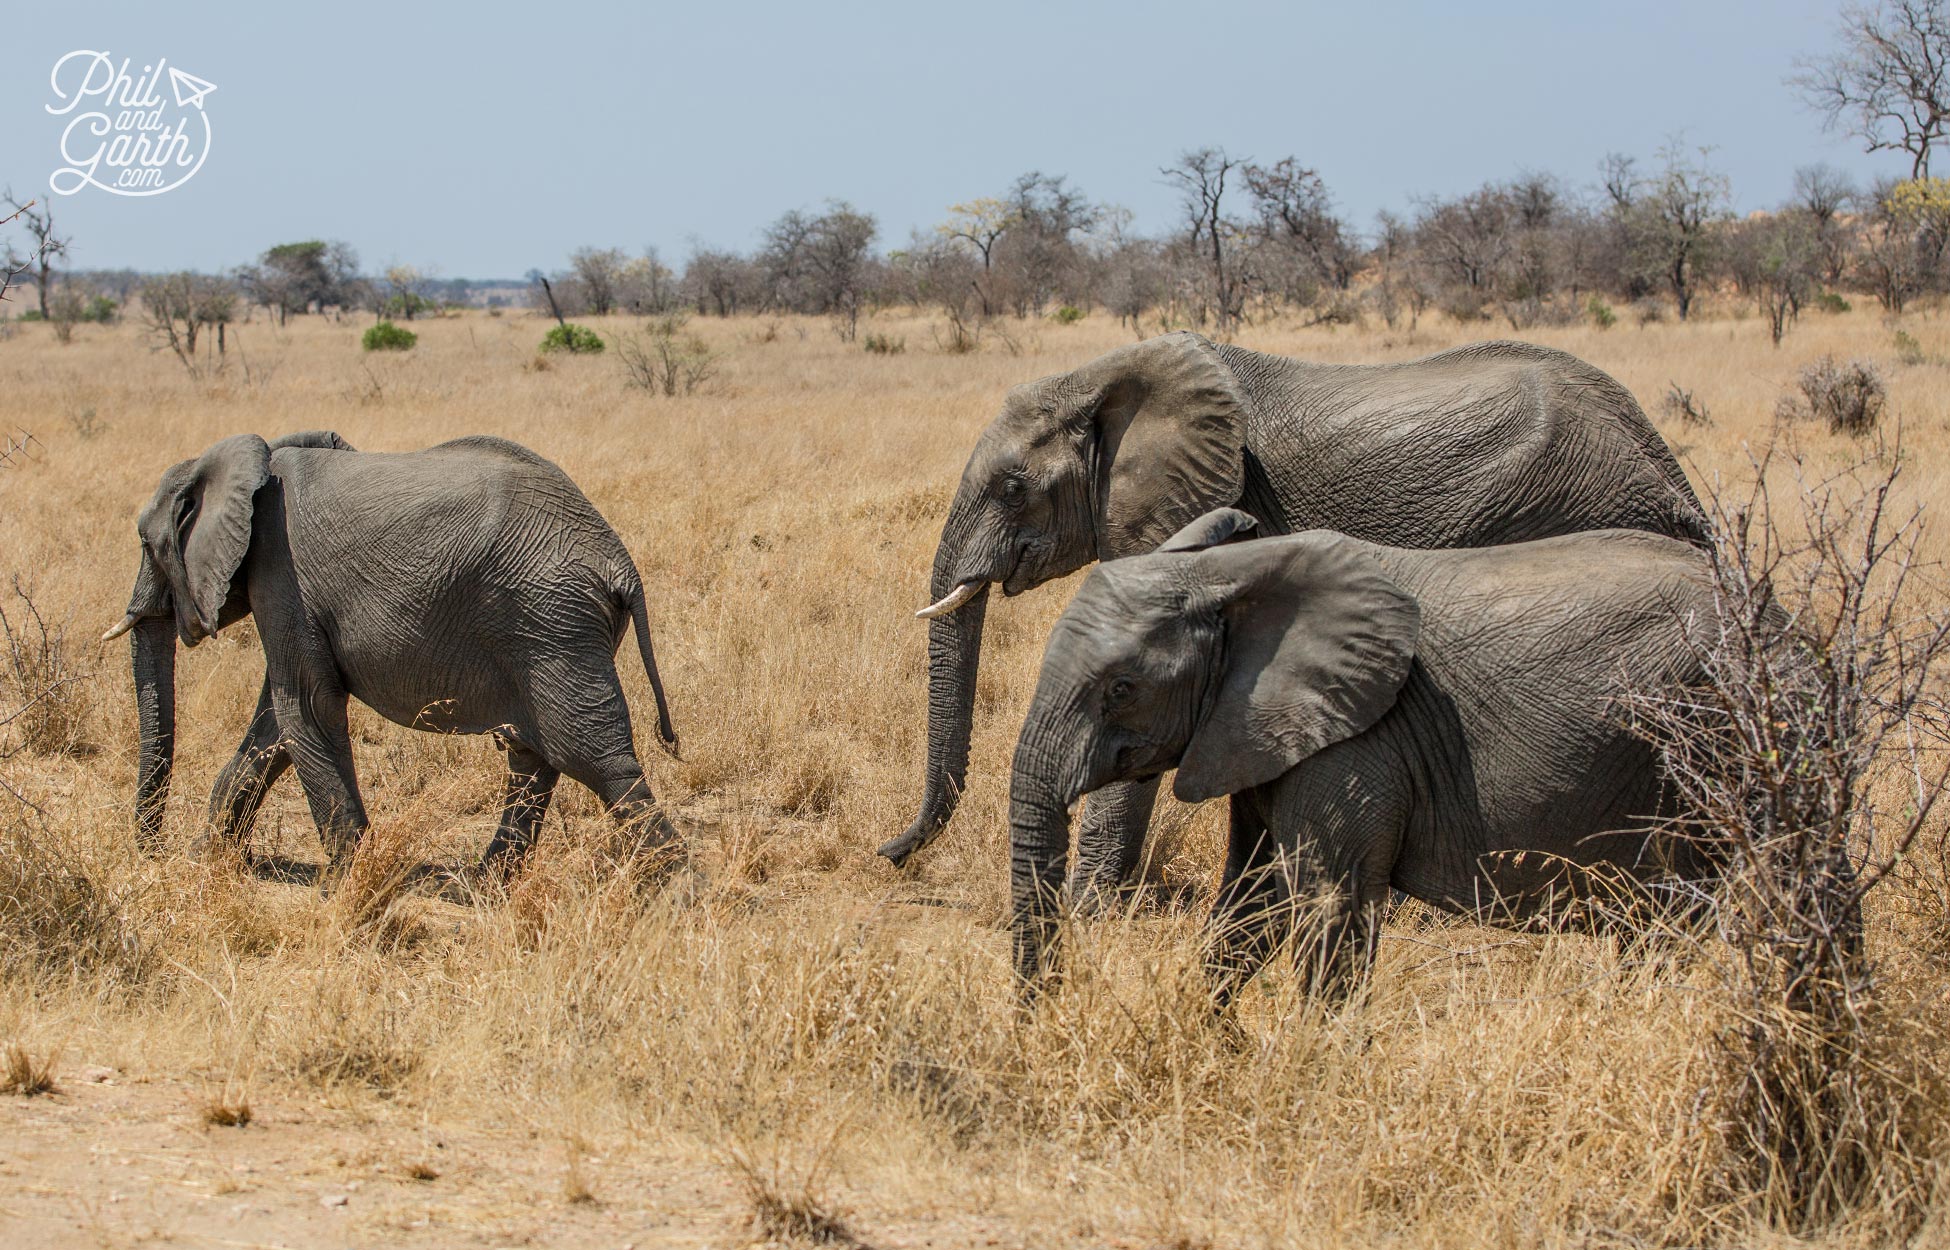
<point x="794" y="1041"/>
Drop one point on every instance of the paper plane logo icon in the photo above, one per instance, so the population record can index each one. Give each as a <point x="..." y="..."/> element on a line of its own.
<point x="189" y="89"/>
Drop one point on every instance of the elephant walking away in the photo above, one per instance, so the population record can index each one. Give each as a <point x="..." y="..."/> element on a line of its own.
<point x="1440" y="722"/>
<point x="1488" y="444"/>
<point x="467" y="588"/>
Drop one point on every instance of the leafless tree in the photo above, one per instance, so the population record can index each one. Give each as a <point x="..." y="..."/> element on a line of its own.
<point x="822" y="264"/>
<point x="178" y="307"/>
<point x="1200" y="177"/>
<point x="1823" y="194"/>
<point x="1296" y="215"/>
<point x="599" y="271"/>
<point x="719" y="282"/>
<point x="48" y="246"/>
<point x="1889" y="85"/>
<point x="1667" y="225"/>
<point x="1043" y="252"/>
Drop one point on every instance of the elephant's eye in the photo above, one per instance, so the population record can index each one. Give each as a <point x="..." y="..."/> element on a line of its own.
<point x="1012" y="490"/>
<point x="1119" y="691"/>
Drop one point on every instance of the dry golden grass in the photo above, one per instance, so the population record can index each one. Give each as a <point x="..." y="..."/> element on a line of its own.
<point x="840" y="1044"/>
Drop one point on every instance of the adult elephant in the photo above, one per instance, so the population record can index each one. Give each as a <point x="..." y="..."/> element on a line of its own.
<point x="467" y="588"/>
<point x="1440" y="722"/>
<point x="1487" y="444"/>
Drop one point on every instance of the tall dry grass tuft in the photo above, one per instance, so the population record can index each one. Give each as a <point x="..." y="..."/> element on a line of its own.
<point x="1821" y="678"/>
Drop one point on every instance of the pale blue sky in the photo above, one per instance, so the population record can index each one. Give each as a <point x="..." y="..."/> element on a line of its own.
<point x="483" y="139"/>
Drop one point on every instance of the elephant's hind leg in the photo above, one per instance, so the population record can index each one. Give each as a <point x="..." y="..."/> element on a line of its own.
<point x="531" y="782"/>
<point x="261" y="759"/>
<point x="587" y="736"/>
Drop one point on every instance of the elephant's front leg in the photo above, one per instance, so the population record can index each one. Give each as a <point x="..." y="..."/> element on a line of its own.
<point x="261" y="759"/>
<point x="531" y="782"/>
<point x="1249" y="918"/>
<point x="1110" y="842"/>
<point x="312" y="718"/>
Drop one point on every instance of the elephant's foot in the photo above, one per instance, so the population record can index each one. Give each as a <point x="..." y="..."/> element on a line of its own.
<point x="217" y="851"/>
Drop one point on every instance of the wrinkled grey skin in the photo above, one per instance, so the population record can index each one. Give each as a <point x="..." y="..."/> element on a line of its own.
<point x="1379" y="716"/>
<point x="1489" y="444"/>
<point x="467" y="588"/>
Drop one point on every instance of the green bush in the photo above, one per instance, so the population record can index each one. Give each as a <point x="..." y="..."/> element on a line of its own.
<point x="387" y="337"/>
<point x="573" y="339"/>
<point x="100" y="310"/>
<point x="1067" y="315"/>
<point x="1908" y="350"/>
<point x="30" y="314"/>
<point x="884" y="344"/>
<point x="1831" y="302"/>
<point x="1601" y="314"/>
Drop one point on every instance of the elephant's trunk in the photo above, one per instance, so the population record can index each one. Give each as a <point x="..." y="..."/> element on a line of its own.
<point x="1039" y="850"/>
<point x="153" y="649"/>
<point x="954" y="659"/>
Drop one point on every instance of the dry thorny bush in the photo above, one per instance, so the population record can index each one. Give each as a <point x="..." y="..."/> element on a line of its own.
<point x="1808" y="761"/>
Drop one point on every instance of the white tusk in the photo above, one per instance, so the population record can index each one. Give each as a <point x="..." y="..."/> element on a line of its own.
<point x="954" y="599"/>
<point x="127" y="623"/>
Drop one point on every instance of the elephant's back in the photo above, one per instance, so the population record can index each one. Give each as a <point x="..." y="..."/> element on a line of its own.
<point x="1488" y="443"/>
<point x="1621" y="590"/>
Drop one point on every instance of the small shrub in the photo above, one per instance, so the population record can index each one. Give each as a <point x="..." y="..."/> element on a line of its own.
<point x="31" y="314"/>
<point x="86" y="423"/>
<point x="101" y="310"/>
<point x="662" y="361"/>
<point x="572" y="338"/>
<point x="227" y="1110"/>
<point x="1849" y="397"/>
<point x="883" y="345"/>
<point x="1067" y="315"/>
<point x="1908" y="350"/>
<point x="536" y="364"/>
<point x="22" y="1074"/>
<point x="1680" y="405"/>
<point x="1601" y="313"/>
<point x="47" y="693"/>
<point x="387" y="337"/>
<point x="1831" y="302"/>
<point x="1649" y="311"/>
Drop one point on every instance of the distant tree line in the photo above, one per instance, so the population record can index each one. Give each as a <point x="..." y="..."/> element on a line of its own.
<point x="1251" y="239"/>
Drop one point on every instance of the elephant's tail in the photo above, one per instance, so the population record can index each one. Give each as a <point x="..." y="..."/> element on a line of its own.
<point x="640" y="621"/>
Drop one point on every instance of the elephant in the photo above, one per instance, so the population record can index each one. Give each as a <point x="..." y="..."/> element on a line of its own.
<point x="1481" y="445"/>
<point x="1442" y="722"/>
<point x="466" y="588"/>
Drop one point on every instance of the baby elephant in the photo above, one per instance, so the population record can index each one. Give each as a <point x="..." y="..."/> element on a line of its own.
<point x="467" y="588"/>
<point x="1442" y="722"/>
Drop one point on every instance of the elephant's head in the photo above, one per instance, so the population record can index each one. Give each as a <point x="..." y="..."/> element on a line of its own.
<point x="1104" y="462"/>
<point x="1231" y="664"/>
<point x="195" y="533"/>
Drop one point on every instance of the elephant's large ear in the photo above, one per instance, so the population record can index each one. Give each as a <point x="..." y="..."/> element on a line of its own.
<point x="198" y="527"/>
<point x="1318" y="643"/>
<point x="1171" y="438"/>
<point x="327" y="439"/>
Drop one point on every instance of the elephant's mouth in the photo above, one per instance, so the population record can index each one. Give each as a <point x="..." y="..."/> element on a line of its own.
<point x="1021" y="575"/>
